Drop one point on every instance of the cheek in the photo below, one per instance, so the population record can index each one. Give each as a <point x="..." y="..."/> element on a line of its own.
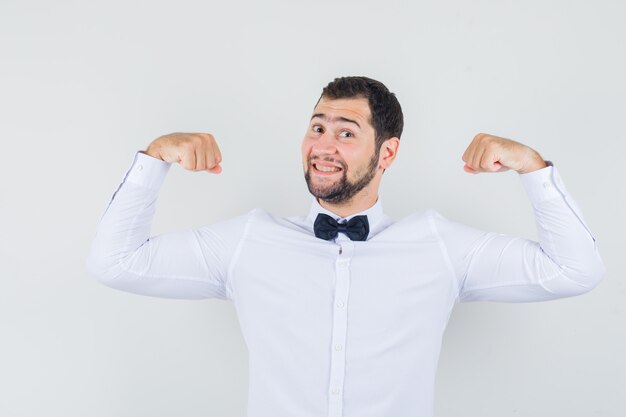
<point x="358" y="160"/>
<point x="307" y="145"/>
<point x="353" y="155"/>
<point x="305" y="150"/>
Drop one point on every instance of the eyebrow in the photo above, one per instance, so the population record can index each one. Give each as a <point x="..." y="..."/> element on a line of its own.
<point x="343" y="119"/>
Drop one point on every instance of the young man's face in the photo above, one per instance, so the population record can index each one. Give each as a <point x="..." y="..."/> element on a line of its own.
<point x="338" y="150"/>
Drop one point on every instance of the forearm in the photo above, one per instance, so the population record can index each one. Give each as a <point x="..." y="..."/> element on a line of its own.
<point x="562" y="232"/>
<point x="497" y="267"/>
<point x="125" y="225"/>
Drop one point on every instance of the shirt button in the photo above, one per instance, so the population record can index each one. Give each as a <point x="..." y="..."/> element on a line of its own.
<point x="335" y="391"/>
<point x="547" y="185"/>
<point x="139" y="167"/>
<point x="338" y="347"/>
<point x="340" y="304"/>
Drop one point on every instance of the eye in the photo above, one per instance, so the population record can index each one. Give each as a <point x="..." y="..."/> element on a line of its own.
<point x="348" y="134"/>
<point x="316" y="127"/>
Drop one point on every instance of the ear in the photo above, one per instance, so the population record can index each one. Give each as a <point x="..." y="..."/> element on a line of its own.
<point x="388" y="152"/>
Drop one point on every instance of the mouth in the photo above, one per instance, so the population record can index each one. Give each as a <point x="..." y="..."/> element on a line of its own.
<point x="321" y="169"/>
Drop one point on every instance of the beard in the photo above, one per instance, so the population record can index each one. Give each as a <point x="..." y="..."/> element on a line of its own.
<point x="343" y="190"/>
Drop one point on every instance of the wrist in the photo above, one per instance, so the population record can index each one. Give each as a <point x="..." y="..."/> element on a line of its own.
<point x="153" y="151"/>
<point x="533" y="167"/>
<point x="536" y="163"/>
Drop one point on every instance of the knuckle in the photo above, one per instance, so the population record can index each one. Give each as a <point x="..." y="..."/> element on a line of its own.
<point x="207" y="137"/>
<point x="187" y="144"/>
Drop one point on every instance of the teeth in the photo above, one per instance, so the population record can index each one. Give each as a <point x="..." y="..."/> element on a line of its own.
<point x="326" y="169"/>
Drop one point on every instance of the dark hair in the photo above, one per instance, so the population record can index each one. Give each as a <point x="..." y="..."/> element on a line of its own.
<point x="386" y="118"/>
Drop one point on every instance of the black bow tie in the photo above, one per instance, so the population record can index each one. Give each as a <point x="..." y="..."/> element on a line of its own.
<point x="327" y="228"/>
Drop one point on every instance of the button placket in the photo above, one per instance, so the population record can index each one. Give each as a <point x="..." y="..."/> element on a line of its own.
<point x="340" y="322"/>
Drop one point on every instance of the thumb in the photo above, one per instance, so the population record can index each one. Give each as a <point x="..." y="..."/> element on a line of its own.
<point x="216" y="169"/>
<point x="469" y="170"/>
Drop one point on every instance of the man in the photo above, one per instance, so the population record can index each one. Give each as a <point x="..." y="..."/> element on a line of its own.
<point x="343" y="310"/>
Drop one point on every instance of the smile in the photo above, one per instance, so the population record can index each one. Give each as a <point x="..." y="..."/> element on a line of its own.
<point x="326" y="169"/>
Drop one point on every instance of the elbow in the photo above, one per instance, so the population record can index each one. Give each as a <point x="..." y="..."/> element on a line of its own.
<point x="597" y="274"/>
<point x="588" y="279"/>
<point x="102" y="270"/>
<point x="593" y="271"/>
<point x="574" y="280"/>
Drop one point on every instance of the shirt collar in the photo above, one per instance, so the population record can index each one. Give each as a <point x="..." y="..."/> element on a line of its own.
<point x="374" y="214"/>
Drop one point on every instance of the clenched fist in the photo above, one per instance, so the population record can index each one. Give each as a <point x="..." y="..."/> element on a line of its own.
<point x="193" y="151"/>
<point x="488" y="153"/>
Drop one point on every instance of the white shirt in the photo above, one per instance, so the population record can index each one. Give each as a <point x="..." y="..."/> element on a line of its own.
<point x="342" y="328"/>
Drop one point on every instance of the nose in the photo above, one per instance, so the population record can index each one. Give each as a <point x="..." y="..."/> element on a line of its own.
<point x="325" y="144"/>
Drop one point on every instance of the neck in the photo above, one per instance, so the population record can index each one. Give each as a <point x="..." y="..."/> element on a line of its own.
<point x="357" y="204"/>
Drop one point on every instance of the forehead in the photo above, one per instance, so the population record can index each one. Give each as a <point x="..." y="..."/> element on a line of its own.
<point x="351" y="108"/>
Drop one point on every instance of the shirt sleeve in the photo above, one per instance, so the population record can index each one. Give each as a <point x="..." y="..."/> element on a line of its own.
<point x="496" y="267"/>
<point x="188" y="264"/>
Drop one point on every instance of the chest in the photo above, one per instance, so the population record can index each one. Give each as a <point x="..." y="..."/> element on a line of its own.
<point x="298" y="281"/>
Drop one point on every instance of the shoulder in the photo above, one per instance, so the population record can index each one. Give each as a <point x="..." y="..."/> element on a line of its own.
<point x="260" y="218"/>
<point x="431" y="221"/>
<point x="232" y="227"/>
<point x="422" y="217"/>
<point x="415" y="226"/>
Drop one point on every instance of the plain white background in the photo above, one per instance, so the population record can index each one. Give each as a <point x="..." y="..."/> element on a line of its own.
<point x="84" y="85"/>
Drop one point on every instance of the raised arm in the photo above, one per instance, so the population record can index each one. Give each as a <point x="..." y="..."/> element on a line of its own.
<point x="497" y="267"/>
<point x="185" y="264"/>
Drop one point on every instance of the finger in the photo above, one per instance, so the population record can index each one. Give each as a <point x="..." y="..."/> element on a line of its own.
<point x="502" y="168"/>
<point x="469" y="151"/>
<point x="473" y="146"/>
<point x="465" y="155"/>
<point x="200" y="158"/>
<point x="489" y="161"/>
<point x="217" y="152"/>
<point x="217" y="169"/>
<point x="469" y="170"/>
<point x="215" y="156"/>
<point x="476" y="158"/>
<point x="188" y="158"/>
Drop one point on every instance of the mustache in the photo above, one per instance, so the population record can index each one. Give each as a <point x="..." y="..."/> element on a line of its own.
<point x="339" y="162"/>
